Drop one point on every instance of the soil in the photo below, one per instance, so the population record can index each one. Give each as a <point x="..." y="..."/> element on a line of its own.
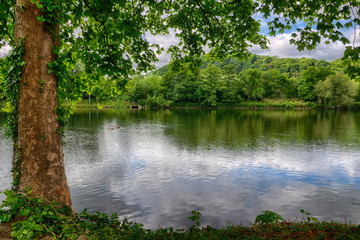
<point x="5" y="231"/>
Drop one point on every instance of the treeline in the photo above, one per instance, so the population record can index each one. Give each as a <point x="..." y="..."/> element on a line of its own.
<point x="212" y="83"/>
<point x="255" y="79"/>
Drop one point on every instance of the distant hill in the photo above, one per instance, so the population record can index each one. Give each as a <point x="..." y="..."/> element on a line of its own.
<point x="292" y="66"/>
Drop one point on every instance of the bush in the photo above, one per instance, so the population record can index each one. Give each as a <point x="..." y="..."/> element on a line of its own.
<point x="337" y="91"/>
<point x="156" y="102"/>
<point x="41" y="218"/>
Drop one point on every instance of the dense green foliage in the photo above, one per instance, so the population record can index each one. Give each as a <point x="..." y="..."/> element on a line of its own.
<point x="38" y="218"/>
<point x="336" y="90"/>
<point x="308" y="80"/>
<point x="214" y="83"/>
<point x="233" y="82"/>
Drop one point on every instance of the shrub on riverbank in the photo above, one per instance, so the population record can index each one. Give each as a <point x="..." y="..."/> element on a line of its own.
<point x="36" y="218"/>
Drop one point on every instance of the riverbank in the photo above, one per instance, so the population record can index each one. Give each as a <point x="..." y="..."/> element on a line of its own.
<point x="266" y="104"/>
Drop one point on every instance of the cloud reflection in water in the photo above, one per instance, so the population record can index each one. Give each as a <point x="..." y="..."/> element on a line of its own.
<point x="155" y="169"/>
<point x="158" y="166"/>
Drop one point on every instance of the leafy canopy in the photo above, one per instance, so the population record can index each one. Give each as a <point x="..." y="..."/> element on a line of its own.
<point x="109" y="36"/>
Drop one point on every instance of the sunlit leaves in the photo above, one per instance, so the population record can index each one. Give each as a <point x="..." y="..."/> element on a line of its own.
<point x="109" y="36"/>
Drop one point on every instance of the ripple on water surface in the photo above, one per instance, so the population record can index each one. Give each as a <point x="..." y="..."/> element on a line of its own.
<point x="156" y="167"/>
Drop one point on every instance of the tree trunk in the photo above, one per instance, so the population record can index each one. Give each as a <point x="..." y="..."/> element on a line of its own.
<point x="41" y="156"/>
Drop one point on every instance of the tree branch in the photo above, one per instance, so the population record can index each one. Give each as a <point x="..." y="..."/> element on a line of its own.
<point x="205" y="12"/>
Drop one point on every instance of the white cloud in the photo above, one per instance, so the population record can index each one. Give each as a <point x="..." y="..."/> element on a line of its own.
<point x="281" y="47"/>
<point x="4" y="51"/>
<point x="164" y="41"/>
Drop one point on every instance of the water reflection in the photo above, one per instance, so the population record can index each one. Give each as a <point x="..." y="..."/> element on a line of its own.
<point x="155" y="167"/>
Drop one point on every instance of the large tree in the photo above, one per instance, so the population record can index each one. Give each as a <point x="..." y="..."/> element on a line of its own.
<point x="308" y="80"/>
<point x="336" y="90"/>
<point x="109" y="36"/>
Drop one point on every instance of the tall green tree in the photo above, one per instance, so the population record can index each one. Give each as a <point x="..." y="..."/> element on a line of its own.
<point x="250" y="81"/>
<point x="185" y="86"/>
<point x="275" y="84"/>
<point x="337" y="90"/>
<point x="208" y="87"/>
<point x="229" y="85"/>
<point x="109" y="36"/>
<point x="308" y="80"/>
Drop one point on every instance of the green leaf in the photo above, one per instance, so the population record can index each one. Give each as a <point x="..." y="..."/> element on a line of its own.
<point x="24" y="212"/>
<point x="5" y="217"/>
<point x="38" y="227"/>
<point x="41" y="18"/>
<point x="344" y="40"/>
<point x="30" y="235"/>
<point x="39" y="5"/>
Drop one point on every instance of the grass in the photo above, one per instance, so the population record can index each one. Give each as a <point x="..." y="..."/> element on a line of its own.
<point x="265" y="104"/>
<point x="115" y="103"/>
<point x="279" y="104"/>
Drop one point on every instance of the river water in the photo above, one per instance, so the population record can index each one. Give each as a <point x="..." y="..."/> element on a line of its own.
<point x="155" y="167"/>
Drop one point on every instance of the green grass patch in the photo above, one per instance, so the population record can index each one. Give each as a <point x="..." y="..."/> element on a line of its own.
<point x="279" y="104"/>
<point x="115" y="103"/>
<point x="265" y="104"/>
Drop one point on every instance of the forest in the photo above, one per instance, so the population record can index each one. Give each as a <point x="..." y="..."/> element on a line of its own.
<point x="206" y="83"/>
<point x="259" y="78"/>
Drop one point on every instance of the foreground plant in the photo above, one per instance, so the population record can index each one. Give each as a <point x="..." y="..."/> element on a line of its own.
<point x="35" y="218"/>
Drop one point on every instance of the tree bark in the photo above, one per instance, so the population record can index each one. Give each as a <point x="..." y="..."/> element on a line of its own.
<point x="41" y="155"/>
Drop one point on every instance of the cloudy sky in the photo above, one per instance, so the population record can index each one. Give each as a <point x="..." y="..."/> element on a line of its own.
<point x="279" y="46"/>
<point x="4" y="51"/>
